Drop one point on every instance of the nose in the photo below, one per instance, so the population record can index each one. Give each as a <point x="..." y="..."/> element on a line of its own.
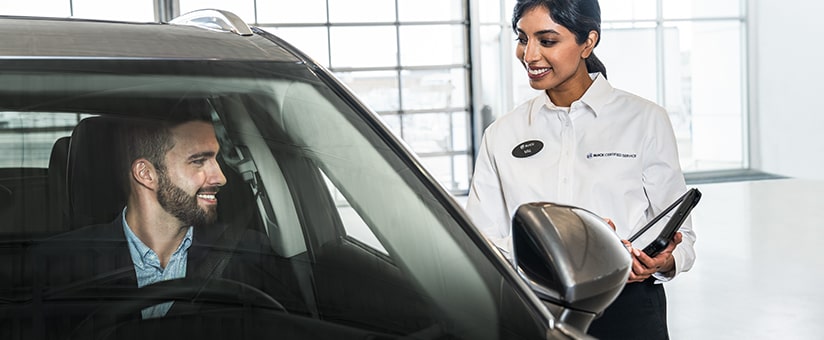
<point x="531" y="52"/>
<point x="215" y="174"/>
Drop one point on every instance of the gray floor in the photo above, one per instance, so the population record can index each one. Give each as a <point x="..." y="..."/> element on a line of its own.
<point x="758" y="271"/>
<point x="758" y="274"/>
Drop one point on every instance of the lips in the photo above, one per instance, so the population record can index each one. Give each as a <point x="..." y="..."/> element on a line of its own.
<point x="208" y="195"/>
<point x="537" y="72"/>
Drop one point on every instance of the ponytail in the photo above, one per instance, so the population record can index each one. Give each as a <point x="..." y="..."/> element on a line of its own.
<point x="595" y="65"/>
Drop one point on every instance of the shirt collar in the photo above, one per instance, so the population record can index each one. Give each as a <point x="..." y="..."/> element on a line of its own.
<point x="598" y="94"/>
<point x="595" y="97"/>
<point x="141" y="251"/>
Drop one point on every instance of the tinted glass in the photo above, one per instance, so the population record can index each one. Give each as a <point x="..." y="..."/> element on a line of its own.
<point x="325" y="229"/>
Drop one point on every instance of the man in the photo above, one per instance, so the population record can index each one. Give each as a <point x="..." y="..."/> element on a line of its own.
<point x="167" y="229"/>
<point x="173" y="178"/>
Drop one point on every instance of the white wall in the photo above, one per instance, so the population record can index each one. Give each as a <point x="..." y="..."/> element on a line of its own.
<point x="788" y="122"/>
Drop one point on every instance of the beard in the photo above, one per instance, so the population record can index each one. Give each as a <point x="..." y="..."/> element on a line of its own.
<point x="180" y="204"/>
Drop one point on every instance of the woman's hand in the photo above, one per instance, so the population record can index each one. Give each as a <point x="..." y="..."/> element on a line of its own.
<point x="643" y="266"/>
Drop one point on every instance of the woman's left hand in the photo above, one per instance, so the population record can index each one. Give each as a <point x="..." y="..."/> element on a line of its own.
<point x="643" y="266"/>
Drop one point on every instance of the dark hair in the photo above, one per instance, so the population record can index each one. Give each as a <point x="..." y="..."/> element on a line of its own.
<point x="578" y="16"/>
<point x="151" y="138"/>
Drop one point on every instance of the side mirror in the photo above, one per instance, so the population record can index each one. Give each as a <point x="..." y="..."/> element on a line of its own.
<point x="571" y="258"/>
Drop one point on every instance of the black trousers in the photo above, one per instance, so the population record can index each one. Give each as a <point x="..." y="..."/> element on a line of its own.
<point x="639" y="312"/>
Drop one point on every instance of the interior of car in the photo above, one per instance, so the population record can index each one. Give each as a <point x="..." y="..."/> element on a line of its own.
<point x="360" y="243"/>
<point x="338" y="279"/>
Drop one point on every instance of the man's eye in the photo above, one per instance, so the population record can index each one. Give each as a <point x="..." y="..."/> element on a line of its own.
<point x="199" y="161"/>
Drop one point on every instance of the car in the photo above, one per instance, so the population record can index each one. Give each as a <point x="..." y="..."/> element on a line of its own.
<point x="372" y="245"/>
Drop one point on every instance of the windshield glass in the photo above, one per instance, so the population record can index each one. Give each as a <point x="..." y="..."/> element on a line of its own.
<point x="319" y="221"/>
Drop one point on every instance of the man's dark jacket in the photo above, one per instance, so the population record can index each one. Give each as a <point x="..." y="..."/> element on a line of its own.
<point x="91" y="268"/>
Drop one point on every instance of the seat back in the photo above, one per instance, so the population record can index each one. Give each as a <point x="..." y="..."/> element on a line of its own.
<point x="58" y="193"/>
<point x="94" y="172"/>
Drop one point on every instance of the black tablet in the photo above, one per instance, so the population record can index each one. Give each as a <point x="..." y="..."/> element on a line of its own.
<point x="684" y="205"/>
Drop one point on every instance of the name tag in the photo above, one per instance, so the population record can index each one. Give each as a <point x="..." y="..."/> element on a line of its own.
<point x="527" y="148"/>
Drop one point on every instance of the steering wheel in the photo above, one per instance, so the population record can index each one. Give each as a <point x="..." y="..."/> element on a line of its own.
<point x="217" y="291"/>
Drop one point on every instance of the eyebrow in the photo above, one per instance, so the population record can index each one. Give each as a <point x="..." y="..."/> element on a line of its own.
<point x="546" y="31"/>
<point x="206" y="154"/>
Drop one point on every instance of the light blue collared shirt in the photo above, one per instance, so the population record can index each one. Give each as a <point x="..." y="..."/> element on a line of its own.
<point x="148" y="269"/>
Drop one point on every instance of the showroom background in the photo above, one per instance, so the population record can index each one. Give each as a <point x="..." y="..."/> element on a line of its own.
<point x="731" y="73"/>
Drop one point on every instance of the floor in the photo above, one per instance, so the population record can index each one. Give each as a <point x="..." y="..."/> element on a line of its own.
<point x="758" y="272"/>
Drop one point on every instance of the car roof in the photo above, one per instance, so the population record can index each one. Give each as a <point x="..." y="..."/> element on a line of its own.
<point x="35" y="37"/>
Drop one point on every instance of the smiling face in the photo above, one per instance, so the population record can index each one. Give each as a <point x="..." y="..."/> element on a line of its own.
<point x="553" y="59"/>
<point x="191" y="176"/>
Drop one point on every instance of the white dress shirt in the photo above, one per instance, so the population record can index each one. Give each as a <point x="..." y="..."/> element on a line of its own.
<point x="611" y="152"/>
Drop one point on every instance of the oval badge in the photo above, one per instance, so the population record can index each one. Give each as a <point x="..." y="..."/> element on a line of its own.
<point x="527" y="148"/>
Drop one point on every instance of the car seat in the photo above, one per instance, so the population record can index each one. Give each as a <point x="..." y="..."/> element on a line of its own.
<point x="93" y="173"/>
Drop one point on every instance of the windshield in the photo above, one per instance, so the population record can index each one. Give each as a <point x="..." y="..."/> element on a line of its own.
<point x="320" y="222"/>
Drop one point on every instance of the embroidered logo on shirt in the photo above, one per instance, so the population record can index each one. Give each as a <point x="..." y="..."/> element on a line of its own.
<point x="611" y="154"/>
<point x="527" y="148"/>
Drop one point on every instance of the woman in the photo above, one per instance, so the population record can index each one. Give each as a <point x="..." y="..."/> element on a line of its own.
<point x="584" y="143"/>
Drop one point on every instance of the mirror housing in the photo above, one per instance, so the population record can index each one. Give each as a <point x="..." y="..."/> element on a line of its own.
<point x="571" y="258"/>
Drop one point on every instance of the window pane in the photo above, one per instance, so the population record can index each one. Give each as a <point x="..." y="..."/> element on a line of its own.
<point x="50" y="8"/>
<point x="245" y="9"/>
<point x="23" y="145"/>
<point x="430" y="10"/>
<point x="628" y="10"/>
<point x="701" y="8"/>
<point x="127" y="10"/>
<point x="460" y="131"/>
<point x="489" y="11"/>
<point x="434" y="89"/>
<point x="704" y="93"/>
<point x="304" y="11"/>
<point x="353" y="223"/>
<point x="629" y="56"/>
<point x="310" y="40"/>
<point x="374" y="46"/>
<point x="428" y="132"/>
<point x="432" y="45"/>
<point x="393" y="121"/>
<point x="362" y="11"/>
<point x="450" y="171"/>
<point x="461" y="165"/>
<point x="378" y="89"/>
<point x="491" y="64"/>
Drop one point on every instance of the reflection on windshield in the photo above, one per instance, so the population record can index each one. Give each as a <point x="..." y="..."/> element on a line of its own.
<point x="318" y="214"/>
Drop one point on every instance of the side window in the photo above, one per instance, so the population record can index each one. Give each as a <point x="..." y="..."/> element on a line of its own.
<point x="356" y="228"/>
<point x="27" y="138"/>
<point x="32" y="165"/>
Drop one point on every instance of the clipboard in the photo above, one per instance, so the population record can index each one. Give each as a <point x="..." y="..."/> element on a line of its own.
<point x="684" y="205"/>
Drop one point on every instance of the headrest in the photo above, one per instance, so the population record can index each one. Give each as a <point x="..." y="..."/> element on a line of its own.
<point x="58" y="194"/>
<point x="93" y="173"/>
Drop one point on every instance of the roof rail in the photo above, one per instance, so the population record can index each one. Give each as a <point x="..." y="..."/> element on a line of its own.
<point x="214" y="19"/>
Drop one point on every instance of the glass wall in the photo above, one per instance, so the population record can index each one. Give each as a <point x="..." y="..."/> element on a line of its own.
<point x="688" y="56"/>
<point x="409" y="60"/>
<point x="129" y="10"/>
<point x="406" y="59"/>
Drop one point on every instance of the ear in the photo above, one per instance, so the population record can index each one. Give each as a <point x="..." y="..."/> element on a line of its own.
<point x="144" y="173"/>
<point x="589" y="44"/>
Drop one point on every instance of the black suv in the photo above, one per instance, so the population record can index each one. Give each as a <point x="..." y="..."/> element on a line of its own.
<point x="371" y="246"/>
